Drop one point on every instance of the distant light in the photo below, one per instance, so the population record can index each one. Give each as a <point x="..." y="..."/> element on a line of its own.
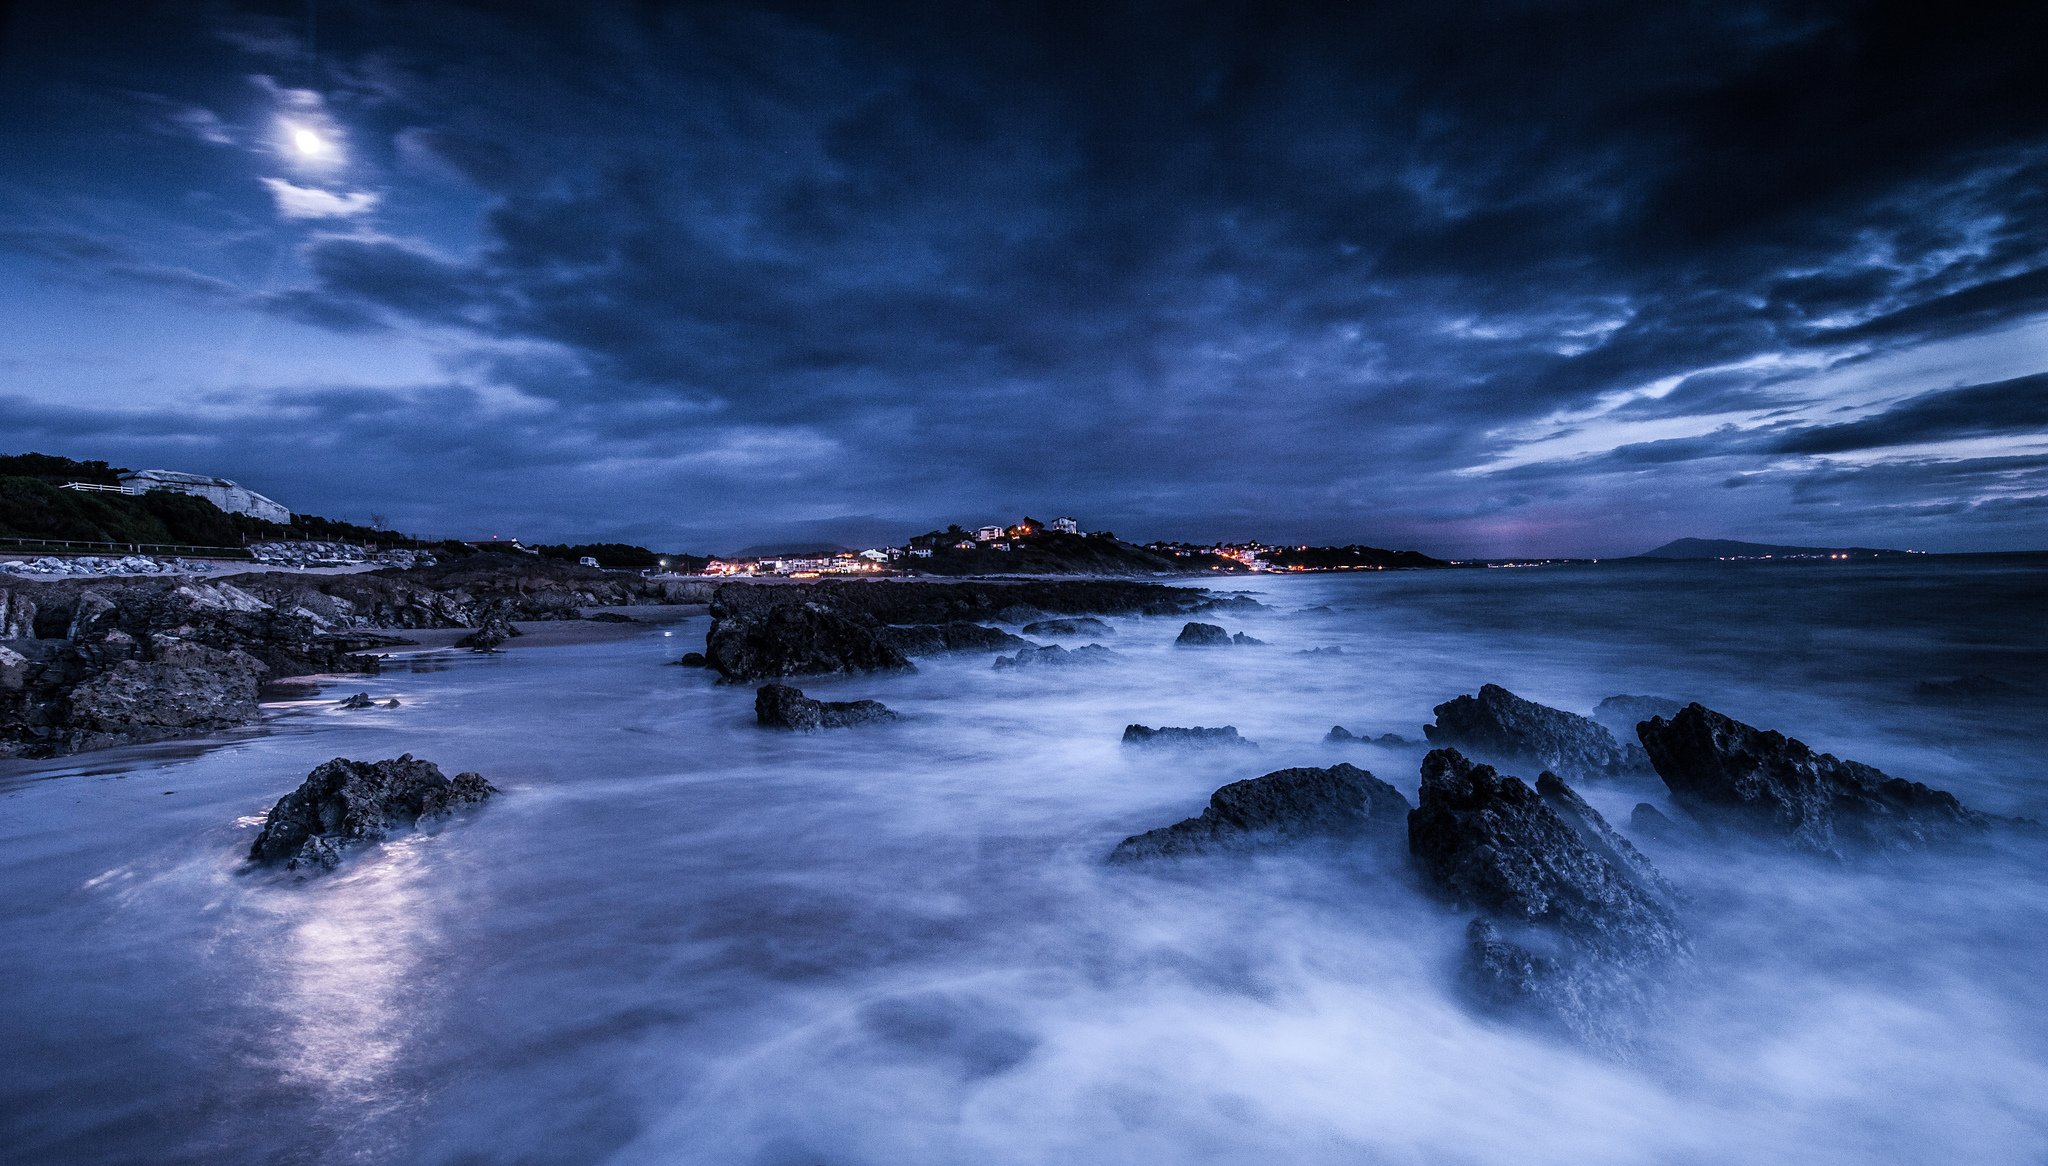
<point x="308" y="143"/>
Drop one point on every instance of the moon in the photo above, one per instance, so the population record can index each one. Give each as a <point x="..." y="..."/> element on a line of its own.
<point x="308" y="143"/>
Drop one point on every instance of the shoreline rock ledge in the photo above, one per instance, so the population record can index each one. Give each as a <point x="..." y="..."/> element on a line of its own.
<point x="347" y="803"/>
<point x="1725" y="773"/>
<point x="1342" y="801"/>
<point x="778" y="706"/>
<point x="1498" y="726"/>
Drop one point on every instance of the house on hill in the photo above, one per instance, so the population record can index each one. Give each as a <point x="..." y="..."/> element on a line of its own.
<point x="1064" y="526"/>
<point x="228" y="496"/>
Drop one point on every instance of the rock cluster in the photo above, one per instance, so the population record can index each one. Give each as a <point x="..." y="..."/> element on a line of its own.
<point x="932" y="639"/>
<point x="1730" y="775"/>
<point x="797" y="639"/>
<point x="1339" y="735"/>
<point x="1342" y="802"/>
<point x="1197" y="737"/>
<point x="1498" y="725"/>
<point x="1209" y="635"/>
<point x="1054" y="656"/>
<point x="347" y="803"/>
<point x="1086" y="625"/>
<point x="778" y="706"/>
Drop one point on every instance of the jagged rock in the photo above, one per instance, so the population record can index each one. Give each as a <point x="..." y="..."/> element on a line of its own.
<point x="1593" y="923"/>
<point x="360" y="700"/>
<point x="1498" y="725"/>
<point x="932" y="639"/>
<point x="1966" y="690"/>
<point x="13" y="668"/>
<point x="1018" y="613"/>
<point x="1621" y="714"/>
<point x="1330" y="651"/>
<point x="795" y="640"/>
<point x="778" y="706"/>
<point x="694" y="660"/>
<point x="17" y="616"/>
<point x="1342" y="801"/>
<point x="1085" y="625"/>
<point x="392" y="703"/>
<point x="488" y="638"/>
<point x="1728" y="774"/>
<point x="1197" y="737"/>
<point x="1245" y="641"/>
<point x="347" y="803"/>
<point x="1202" y="635"/>
<point x="1055" y="656"/>
<point x="188" y="688"/>
<point x="1339" y="735"/>
<point x="1651" y="822"/>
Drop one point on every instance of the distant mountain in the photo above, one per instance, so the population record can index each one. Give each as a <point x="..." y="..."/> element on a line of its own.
<point x="1728" y="548"/>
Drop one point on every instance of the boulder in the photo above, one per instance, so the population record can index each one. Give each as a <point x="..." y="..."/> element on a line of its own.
<point x="932" y="639"/>
<point x="1085" y="625"/>
<point x="1202" y="635"/>
<point x="360" y="700"/>
<point x="347" y="803"/>
<point x="1730" y="775"/>
<point x="392" y="703"/>
<point x="799" y="639"/>
<point x="1055" y="656"/>
<point x="188" y="688"/>
<point x="1339" y="735"/>
<point x="778" y="706"/>
<point x="1197" y="737"/>
<point x="1621" y="714"/>
<point x="1343" y="802"/>
<point x="1651" y="822"/>
<point x="488" y="638"/>
<point x="13" y="668"/>
<point x="1329" y="651"/>
<point x="694" y="660"/>
<point x="1500" y="726"/>
<point x="1244" y="641"/>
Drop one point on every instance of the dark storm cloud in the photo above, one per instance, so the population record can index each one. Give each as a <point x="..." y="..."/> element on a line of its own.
<point x="1218" y="269"/>
<point x="2017" y="406"/>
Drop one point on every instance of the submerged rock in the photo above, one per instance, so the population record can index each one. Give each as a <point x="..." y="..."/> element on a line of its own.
<point x="1245" y="641"/>
<point x="1621" y="714"/>
<point x="610" y="617"/>
<point x="694" y="660"/>
<point x="351" y="803"/>
<point x="1055" y="656"/>
<point x="392" y="703"/>
<point x="488" y="638"/>
<point x="1729" y="774"/>
<point x="1339" y="735"/>
<point x="1342" y="801"/>
<point x="1197" y="737"/>
<point x="360" y="700"/>
<point x="1085" y="625"/>
<point x="1498" y="725"/>
<point x="1579" y="922"/>
<point x="778" y="706"/>
<point x="1327" y="651"/>
<point x="931" y="639"/>
<point x="796" y="640"/>
<point x="1202" y="635"/>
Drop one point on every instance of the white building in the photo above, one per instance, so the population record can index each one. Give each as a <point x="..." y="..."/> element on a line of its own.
<point x="226" y="495"/>
<point x="989" y="534"/>
<point x="1064" y="526"/>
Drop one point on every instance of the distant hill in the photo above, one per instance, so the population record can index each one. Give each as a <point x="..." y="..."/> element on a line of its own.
<point x="1728" y="548"/>
<point x="791" y="550"/>
<point x="1052" y="553"/>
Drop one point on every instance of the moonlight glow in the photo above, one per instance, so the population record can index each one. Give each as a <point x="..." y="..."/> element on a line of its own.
<point x="309" y="144"/>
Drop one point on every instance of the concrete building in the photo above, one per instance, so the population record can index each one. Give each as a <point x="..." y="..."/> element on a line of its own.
<point x="988" y="534"/>
<point x="222" y="493"/>
<point x="1064" y="526"/>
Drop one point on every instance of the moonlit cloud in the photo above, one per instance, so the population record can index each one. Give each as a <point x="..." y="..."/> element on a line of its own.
<point x="310" y="202"/>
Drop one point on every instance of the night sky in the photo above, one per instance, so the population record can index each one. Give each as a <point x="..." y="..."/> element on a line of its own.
<point x="1477" y="280"/>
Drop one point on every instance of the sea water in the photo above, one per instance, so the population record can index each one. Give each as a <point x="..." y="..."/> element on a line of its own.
<point x="680" y="938"/>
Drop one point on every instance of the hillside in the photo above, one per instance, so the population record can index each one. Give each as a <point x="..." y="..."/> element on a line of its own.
<point x="1726" y="548"/>
<point x="1050" y="553"/>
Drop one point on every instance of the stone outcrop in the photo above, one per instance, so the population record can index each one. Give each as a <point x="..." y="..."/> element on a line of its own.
<point x="1729" y="775"/>
<point x="1197" y="737"/>
<point x="1085" y="625"/>
<point x="1339" y="735"/>
<point x="798" y="639"/>
<point x="778" y="706"/>
<point x="346" y="803"/>
<point x="1341" y="802"/>
<point x="360" y="700"/>
<point x="1054" y="656"/>
<point x="933" y="639"/>
<point x="1576" y="925"/>
<point x="1498" y="726"/>
<point x="1202" y="635"/>
<point x="181" y="689"/>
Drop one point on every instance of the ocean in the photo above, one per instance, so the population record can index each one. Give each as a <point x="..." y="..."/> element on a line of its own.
<point x="680" y="938"/>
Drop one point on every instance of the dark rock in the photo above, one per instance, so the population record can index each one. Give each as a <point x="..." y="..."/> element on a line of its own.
<point x="1581" y="925"/>
<point x="1019" y="613"/>
<point x="1055" y="656"/>
<point x="1245" y="641"/>
<point x="1086" y="625"/>
<point x="488" y="638"/>
<point x="349" y="803"/>
<point x="392" y="703"/>
<point x="694" y="660"/>
<point x="778" y="706"/>
<point x="1967" y="690"/>
<point x="1501" y="726"/>
<point x="1197" y="737"/>
<point x="1339" y="735"/>
<point x="610" y="617"/>
<point x="1621" y="714"/>
<point x="187" y="688"/>
<point x="795" y="640"/>
<point x="1202" y="635"/>
<point x="1320" y="652"/>
<point x="1651" y="822"/>
<point x="1728" y="774"/>
<point x="932" y="639"/>
<point x="360" y="700"/>
<point x="1342" y="801"/>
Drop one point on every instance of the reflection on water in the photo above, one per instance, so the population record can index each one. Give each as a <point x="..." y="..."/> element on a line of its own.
<point x="678" y="938"/>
